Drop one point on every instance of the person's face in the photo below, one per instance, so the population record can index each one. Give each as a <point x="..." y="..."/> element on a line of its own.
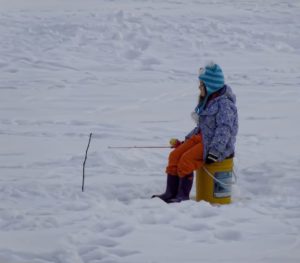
<point x="202" y="89"/>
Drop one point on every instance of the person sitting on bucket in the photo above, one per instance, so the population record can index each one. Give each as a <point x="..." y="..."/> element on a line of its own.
<point x="212" y="140"/>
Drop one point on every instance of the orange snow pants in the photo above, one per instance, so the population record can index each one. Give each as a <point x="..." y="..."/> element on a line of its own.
<point x="187" y="157"/>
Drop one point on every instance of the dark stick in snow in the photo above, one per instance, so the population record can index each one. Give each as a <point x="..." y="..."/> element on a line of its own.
<point x="85" y="161"/>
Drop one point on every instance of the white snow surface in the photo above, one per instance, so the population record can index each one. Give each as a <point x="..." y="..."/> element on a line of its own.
<point x="127" y="72"/>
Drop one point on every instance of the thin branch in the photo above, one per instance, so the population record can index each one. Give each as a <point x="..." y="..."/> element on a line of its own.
<point x="83" y="175"/>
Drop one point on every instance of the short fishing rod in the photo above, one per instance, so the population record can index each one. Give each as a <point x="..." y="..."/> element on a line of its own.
<point x="138" y="147"/>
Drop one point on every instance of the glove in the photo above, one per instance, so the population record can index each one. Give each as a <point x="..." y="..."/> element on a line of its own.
<point x="175" y="143"/>
<point x="211" y="158"/>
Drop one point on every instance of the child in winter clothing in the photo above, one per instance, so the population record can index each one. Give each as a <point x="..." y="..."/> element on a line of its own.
<point x="212" y="140"/>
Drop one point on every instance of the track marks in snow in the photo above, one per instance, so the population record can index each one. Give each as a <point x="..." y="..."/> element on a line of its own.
<point x="127" y="37"/>
<point x="205" y="223"/>
<point x="155" y="218"/>
<point x="272" y="180"/>
<point x="103" y="243"/>
<point x="76" y="68"/>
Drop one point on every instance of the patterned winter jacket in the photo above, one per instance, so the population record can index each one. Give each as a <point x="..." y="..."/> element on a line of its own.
<point x="218" y="124"/>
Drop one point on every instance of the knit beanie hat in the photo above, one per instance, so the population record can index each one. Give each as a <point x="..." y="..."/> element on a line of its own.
<point x="213" y="78"/>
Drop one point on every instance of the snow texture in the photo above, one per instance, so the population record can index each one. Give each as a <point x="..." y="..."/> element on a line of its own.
<point x="127" y="72"/>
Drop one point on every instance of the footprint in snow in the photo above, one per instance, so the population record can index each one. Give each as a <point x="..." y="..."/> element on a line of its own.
<point x="8" y="88"/>
<point x="228" y="235"/>
<point x="193" y="227"/>
<point x="103" y="250"/>
<point x="95" y="254"/>
<point x="120" y="231"/>
<point x="113" y="229"/>
<point x="204" y="213"/>
<point x="132" y="54"/>
<point x="122" y="252"/>
<point x="150" y="218"/>
<point x="112" y="256"/>
<point x="104" y="242"/>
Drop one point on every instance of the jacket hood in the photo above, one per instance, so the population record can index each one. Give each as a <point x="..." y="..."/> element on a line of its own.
<point x="229" y="94"/>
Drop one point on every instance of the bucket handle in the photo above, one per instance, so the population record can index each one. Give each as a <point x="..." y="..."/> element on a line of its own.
<point x="214" y="178"/>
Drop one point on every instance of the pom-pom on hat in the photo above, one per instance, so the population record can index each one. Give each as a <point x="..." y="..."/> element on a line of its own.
<point x="212" y="76"/>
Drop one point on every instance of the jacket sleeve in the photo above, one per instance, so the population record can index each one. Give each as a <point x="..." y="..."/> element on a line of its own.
<point x="225" y="119"/>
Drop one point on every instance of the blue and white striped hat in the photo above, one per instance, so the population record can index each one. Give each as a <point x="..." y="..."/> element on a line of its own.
<point x="212" y="76"/>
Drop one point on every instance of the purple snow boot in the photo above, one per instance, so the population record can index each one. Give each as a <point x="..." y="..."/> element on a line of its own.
<point x="184" y="189"/>
<point x="171" y="189"/>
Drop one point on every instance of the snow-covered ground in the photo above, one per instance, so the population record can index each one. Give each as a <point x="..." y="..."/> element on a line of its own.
<point x="127" y="72"/>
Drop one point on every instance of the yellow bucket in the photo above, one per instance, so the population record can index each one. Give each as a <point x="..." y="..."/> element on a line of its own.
<point x="216" y="190"/>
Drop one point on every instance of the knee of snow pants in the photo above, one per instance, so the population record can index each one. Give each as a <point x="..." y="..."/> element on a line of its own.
<point x="186" y="158"/>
